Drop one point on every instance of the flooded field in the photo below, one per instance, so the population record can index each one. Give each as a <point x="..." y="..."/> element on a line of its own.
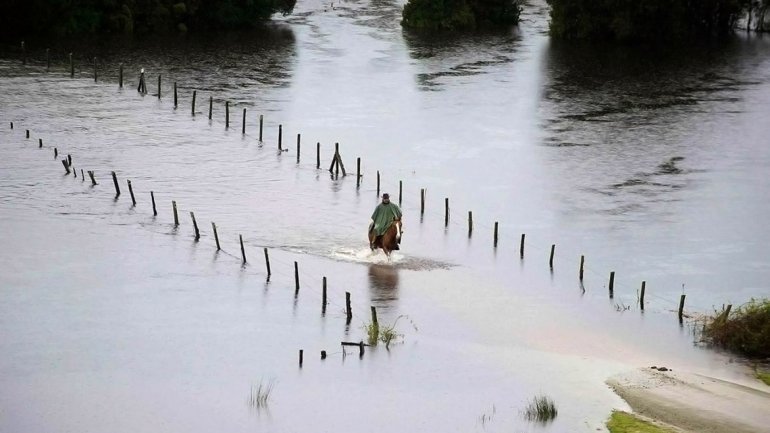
<point x="651" y="164"/>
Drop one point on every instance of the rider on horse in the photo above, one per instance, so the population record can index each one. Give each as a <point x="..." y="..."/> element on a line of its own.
<point x="384" y="215"/>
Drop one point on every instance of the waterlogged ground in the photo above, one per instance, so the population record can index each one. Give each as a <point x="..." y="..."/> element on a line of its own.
<point x="112" y="319"/>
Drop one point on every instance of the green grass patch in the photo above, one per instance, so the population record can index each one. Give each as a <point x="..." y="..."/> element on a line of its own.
<point x="764" y="376"/>
<point x="541" y="409"/>
<point x="623" y="422"/>
<point x="386" y="334"/>
<point x="745" y="330"/>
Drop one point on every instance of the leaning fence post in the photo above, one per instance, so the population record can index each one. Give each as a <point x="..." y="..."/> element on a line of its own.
<point x="66" y="166"/>
<point x="91" y="175"/>
<point x="82" y="176"/>
<point x="243" y="251"/>
<point x="641" y="295"/>
<point x="115" y="181"/>
<point x="267" y="263"/>
<point x="216" y="236"/>
<point x="176" y="215"/>
<point x="131" y="191"/>
<point x="681" y="307"/>
<point x="195" y="227"/>
<point x="154" y="209"/>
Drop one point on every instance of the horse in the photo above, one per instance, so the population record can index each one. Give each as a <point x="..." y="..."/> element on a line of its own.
<point x="390" y="240"/>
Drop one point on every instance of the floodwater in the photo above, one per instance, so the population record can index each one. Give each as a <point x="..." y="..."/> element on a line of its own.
<point x="651" y="163"/>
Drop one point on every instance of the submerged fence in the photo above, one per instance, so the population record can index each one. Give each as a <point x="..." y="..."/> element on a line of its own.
<point x="468" y="225"/>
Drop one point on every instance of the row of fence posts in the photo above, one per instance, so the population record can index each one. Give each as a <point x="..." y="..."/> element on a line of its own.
<point x="67" y="163"/>
<point x="334" y="169"/>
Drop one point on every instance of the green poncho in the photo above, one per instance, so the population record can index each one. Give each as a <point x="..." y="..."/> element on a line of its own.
<point x="383" y="217"/>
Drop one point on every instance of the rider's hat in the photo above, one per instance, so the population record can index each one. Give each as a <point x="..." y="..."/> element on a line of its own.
<point x="386" y="195"/>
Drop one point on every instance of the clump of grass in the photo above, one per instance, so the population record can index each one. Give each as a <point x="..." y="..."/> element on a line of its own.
<point x="746" y="330"/>
<point x="541" y="409"/>
<point x="622" y="422"/>
<point x="386" y="334"/>
<point x="260" y="394"/>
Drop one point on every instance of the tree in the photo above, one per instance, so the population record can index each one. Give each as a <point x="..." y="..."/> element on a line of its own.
<point x="452" y="15"/>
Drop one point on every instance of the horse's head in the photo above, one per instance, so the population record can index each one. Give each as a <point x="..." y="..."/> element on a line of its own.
<point x="399" y="230"/>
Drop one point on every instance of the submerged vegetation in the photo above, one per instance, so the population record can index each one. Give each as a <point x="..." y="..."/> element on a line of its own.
<point x="260" y="394"/>
<point x="25" y="18"/>
<point x="386" y="334"/>
<point x="745" y="330"/>
<point x="652" y="20"/>
<point x="448" y="15"/>
<point x="622" y="422"/>
<point x="541" y="409"/>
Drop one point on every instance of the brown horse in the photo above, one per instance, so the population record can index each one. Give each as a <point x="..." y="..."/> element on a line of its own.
<point x="390" y="240"/>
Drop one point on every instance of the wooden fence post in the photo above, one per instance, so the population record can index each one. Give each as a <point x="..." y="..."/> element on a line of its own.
<point x="299" y="136"/>
<point x="115" y="181"/>
<point x="280" y="137"/>
<point x="612" y="284"/>
<point x="243" y="251"/>
<point x="550" y="260"/>
<point x="681" y="307"/>
<point x="296" y="279"/>
<point x="243" y="123"/>
<point x="131" y="191"/>
<point x="641" y="295"/>
<point x="216" y="236"/>
<point x="348" y="311"/>
<point x="267" y="263"/>
<point x="495" y="235"/>
<point x="323" y="296"/>
<point x="192" y="106"/>
<point x="154" y="209"/>
<point x="211" y="106"/>
<point x="227" y="114"/>
<point x="195" y="227"/>
<point x="582" y="262"/>
<point x="176" y="215"/>
<point x="260" y="127"/>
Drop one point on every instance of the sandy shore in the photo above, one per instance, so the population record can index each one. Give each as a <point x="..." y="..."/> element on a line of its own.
<point x="695" y="403"/>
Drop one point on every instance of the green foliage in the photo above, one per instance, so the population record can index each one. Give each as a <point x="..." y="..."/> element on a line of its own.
<point x="746" y="330"/>
<point x="541" y="409"/>
<point x="622" y="422"/>
<point x="20" y="18"/>
<point x="648" y="20"/>
<point x="764" y="376"/>
<point x="451" y="15"/>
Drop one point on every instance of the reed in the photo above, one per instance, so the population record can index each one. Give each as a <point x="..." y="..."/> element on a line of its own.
<point x="541" y="409"/>
<point x="260" y="394"/>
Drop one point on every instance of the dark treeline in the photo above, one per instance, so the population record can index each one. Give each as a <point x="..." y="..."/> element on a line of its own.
<point x="27" y="18"/>
<point x="441" y="15"/>
<point x="652" y="20"/>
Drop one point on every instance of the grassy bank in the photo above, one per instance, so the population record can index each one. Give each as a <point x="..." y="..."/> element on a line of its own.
<point x="622" y="422"/>
<point x="745" y="330"/>
<point x="764" y="376"/>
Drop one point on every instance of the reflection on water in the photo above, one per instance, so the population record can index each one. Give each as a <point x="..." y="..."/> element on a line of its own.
<point x="383" y="284"/>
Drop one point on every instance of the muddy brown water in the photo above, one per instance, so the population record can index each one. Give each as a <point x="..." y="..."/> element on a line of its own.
<point x="651" y="163"/>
